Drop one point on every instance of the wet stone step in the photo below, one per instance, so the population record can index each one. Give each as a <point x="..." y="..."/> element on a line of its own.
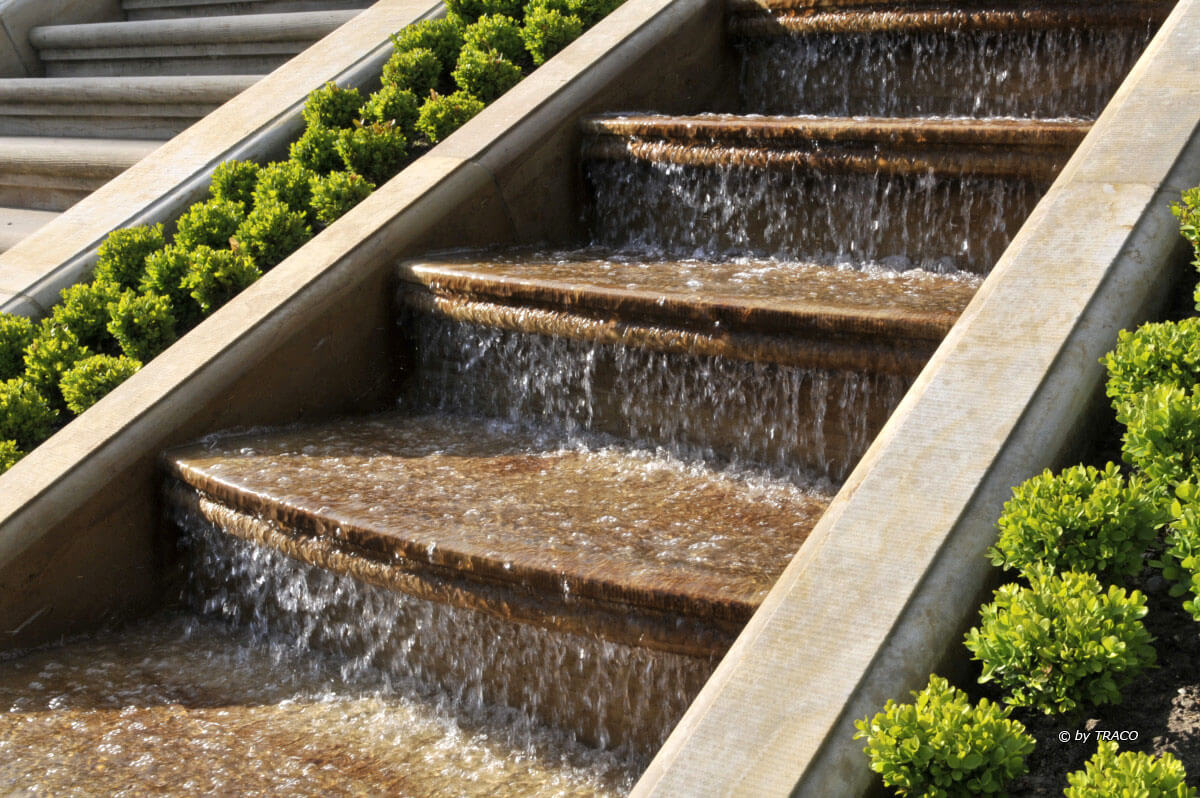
<point x="1034" y="149"/>
<point x="604" y="540"/>
<point x="797" y="314"/>
<point x="939" y="194"/>
<point x="965" y="59"/>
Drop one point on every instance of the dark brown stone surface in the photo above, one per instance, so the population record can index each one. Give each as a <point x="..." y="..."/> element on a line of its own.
<point x="614" y="542"/>
<point x="790" y="313"/>
<point x="1034" y="149"/>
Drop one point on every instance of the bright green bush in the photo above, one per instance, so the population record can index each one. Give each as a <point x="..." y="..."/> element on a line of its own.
<point x="442" y="37"/>
<point x="337" y="193"/>
<point x="471" y="10"/>
<point x="10" y="453"/>
<point x="1081" y="519"/>
<point x="164" y="275"/>
<point x="1165" y="353"/>
<point x="25" y="415"/>
<point x="53" y="350"/>
<point x="218" y="275"/>
<point x="90" y="380"/>
<point x="399" y="107"/>
<point x="941" y="745"/>
<point x="416" y="70"/>
<point x="1063" y="642"/>
<point x="485" y="74"/>
<point x="122" y="257"/>
<point x="1181" y="561"/>
<point x="271" y="232"/>
<point x="16" y="332"/>
<point x="316" y="150"/>
<point x="287" y="182"/>
<point x="498" y="33"/>
<point x="1162" y="434"/>
<point x="235" y="181"/>
<point x="209" y="224"/>
<point x="1109" y="773"/>
<point x="548" y="30"/>
<point x="143" y="325"/>
<point x="442" y="115"/>
<point x="375" y="151"/>
<point x="332" y="107"/>
<point x="83" y="309"/>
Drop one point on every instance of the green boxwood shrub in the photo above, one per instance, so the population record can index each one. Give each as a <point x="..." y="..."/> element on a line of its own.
<point x="442" y="37"/>
<point x="53" y="350"/>
<point x="83" y="309"/>
<point x="391" y="105"/>
<point x="548" y="30"/>
<point x="416" y="70"/>
<point x="271" y="232"/>
<point x="122" y="256"/>
<point x="1109" y="773"/>
<point x="442" y="115"/>
<point x="498" y="33"/>
<point x="471" y="10"/>
<point x="16" y="333"/>
<point x="1181" y="561"/>
<point x="338" y="193"/>
<point x="1080" y="519"/>
<point x="1187" y="210"/>
<point x="209" y="224"/>
<point x="164" y="275"/>
<point x="316" y="150"/>
<point x="1162" y="434"/>
<point x="287" y="182"/>
<point x="218" y="275"/>
<point x="26" y="417"/>
<point x="143" y="325"/>
<point x="1166" y="353"/>
<point x="332" y="107"/>
<point x="235" y="181"/>
<point x="90" y="380"/>
<point x="1063" y="642"/>
<point x="375" y="151"/>
<point x="941" y="745"/>
<point x="10" y="453"/>
<point x="485" y="74"/>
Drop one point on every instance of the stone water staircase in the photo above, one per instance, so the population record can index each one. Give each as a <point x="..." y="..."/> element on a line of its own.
<point x="630" y="441"/>
<point x="113" y="91"/>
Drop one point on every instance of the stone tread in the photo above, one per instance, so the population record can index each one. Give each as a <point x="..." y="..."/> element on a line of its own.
<point x="1020" y="148"/>
<point x="77" y="157"/>
<point x="790" y="313"/>
<point x="625" y="543"/>
<point x="170" y="9"/>
<point x="17" y="223"/>
<point x="212" y="31"/>
<point x="133" y="90"/>
<point x="765" y="18"/>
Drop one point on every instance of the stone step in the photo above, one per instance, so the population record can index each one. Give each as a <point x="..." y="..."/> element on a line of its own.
<point x="793" y="314"/>
<point x="627" y="545"/>
<point x="936" y="193"/>
<point x="107" y="107"/>
<point x="52" y="173"/>
<point x="969" y="58"/>
<point x="1028" y="149"/>
<point x="233" y="45"/>
<point x="175" y="9"/>
<point x="17" y="223"/>
<point x="757" y="18"/>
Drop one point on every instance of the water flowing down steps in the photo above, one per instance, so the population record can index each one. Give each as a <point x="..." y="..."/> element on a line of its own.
<point x="794" y="314"/>
<point x="605" y="540"/>
<point x="115" y="88"/>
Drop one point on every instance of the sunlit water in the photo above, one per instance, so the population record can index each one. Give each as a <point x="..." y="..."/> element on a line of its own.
<point x="184" y="706"/>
